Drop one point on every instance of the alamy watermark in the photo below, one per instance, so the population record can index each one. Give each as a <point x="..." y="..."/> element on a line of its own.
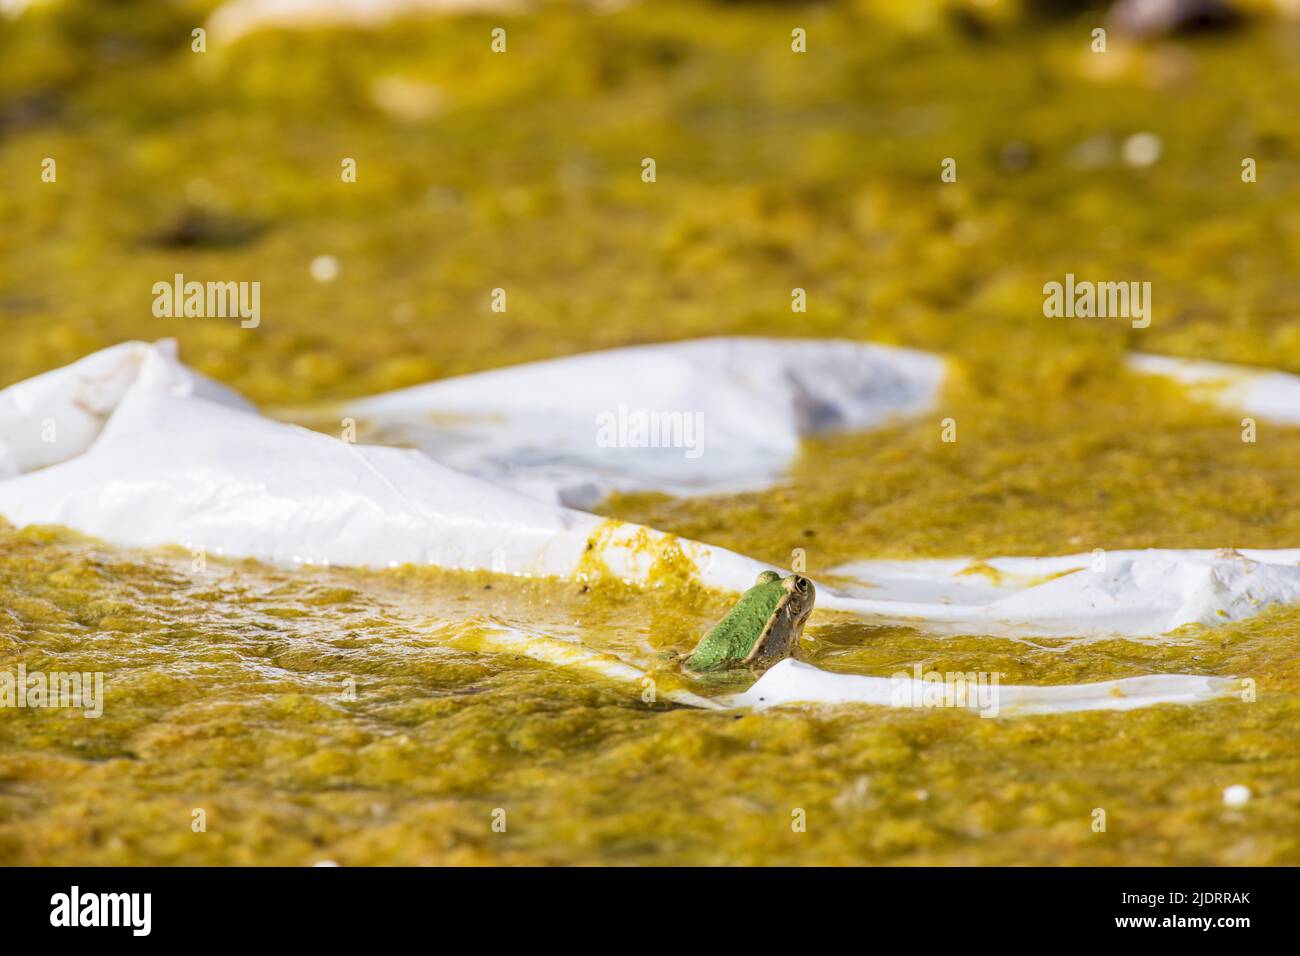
<point x="208" y="300"/>
<point x="630" y="428"/>
<point x="57" y="689"/>
<point x="75" y="908"/>
<point x="1102" y="300"/>
<point x="974" y="690"/>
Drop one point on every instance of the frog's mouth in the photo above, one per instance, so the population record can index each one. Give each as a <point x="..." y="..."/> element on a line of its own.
<point x="804" y="589"/>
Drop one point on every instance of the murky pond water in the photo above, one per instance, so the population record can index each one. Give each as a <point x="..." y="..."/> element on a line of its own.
<point x="378" y="717"/>
<point x="362" y="718"/>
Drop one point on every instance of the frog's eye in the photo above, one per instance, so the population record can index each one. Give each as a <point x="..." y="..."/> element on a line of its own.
<point x="801" y="584"/>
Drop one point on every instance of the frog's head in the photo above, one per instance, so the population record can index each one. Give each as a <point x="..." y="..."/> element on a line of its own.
<point x="802" y="595"/>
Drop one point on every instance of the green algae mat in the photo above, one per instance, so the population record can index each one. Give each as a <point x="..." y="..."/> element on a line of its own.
<point x="257" y="715"/>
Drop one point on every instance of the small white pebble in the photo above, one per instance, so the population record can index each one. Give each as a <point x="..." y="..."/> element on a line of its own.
<point x="1142" y="149"/>
<point x="324" y="268"/>
<point x="1238" y="795"/>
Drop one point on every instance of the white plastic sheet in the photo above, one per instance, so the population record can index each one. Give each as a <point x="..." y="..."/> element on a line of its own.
<point x="705" y="416"/>
<point x="234" y="18"/>
<point x="793" y="682"/>
<point x="1101" y="594"/>
<point x="1256" y="391"/>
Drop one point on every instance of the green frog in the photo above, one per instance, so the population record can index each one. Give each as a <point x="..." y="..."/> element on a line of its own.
<point x="763" y="627"/>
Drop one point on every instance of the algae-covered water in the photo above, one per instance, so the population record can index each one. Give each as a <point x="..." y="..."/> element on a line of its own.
<point x="378" y="717"/>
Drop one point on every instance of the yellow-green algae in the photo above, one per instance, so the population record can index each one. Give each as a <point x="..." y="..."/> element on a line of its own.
<point x="228" y="691"/>
<point x="225" y="687"/>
